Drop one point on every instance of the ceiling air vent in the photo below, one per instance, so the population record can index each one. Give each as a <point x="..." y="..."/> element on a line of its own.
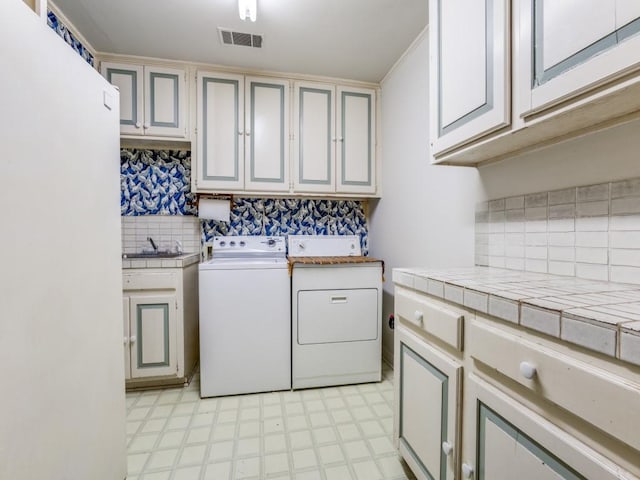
<point x="229" y="37"/>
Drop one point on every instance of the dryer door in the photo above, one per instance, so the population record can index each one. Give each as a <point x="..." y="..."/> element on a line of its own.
<point x="333" y="316"/>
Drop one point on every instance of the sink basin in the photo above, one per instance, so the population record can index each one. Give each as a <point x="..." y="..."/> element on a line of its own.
<point x="134" y="256"/>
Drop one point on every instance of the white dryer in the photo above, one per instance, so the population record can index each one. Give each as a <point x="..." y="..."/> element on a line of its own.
<point x="336" y="307"/>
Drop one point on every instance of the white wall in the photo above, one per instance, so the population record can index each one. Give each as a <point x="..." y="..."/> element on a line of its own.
<point x="605" y="156"/>
<point x="425" y="216"/>
<point x="62" y="412"/>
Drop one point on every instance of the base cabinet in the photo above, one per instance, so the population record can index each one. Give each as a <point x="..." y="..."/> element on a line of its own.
<point x="427" y="408"/>
<point x="504" y="403"/>
<point x="152" y="335"/>
<point x="507" y="441"/>
<point x="160" y="323"/>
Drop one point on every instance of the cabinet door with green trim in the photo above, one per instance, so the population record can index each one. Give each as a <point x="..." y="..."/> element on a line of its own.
<point x="513" y="442"/>
<point x="153" y="335"/>
<point x="428" y="407"/>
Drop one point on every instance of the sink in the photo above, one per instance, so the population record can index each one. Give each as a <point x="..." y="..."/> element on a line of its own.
<point x="134" y="256"/>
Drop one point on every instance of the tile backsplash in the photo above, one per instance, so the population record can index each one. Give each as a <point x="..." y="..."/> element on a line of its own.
<point x="63" y="31"/>
<point x="165" y="230"/>
<point x="589" y="232"/>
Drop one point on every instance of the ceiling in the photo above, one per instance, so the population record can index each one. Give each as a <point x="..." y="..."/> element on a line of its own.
<point x="349" y="39"/>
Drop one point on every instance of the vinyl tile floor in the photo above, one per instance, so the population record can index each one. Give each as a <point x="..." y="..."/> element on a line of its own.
<point x="333" y="433"/>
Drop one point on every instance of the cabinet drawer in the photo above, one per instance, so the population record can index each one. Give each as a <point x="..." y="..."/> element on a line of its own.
<point x="149" y="281"/>
<point x="437" y="318"/>
<point x="582" y="389"/>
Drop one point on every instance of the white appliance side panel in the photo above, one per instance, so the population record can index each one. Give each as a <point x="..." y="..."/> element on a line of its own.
<point x="326" y="316"/>
<point x="245" y="331"/>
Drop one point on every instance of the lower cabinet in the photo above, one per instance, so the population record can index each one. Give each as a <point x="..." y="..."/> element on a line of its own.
<point x="151" y="341"/>
<point x="160" y="323"/>
<point x="506" y="440"/>
<point x="427" y="410"/>
<point x="505" y="404"/>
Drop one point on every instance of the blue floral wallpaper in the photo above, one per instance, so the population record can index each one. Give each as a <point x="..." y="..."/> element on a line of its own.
<point x="54" y="22"/>
<point x="158" y="182"/>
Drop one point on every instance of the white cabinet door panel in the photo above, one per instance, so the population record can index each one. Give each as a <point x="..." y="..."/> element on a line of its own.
<point x="567" y="49"/>
<point x="130" y="80"/>
<point x="164" y="98"/>
<point x="512" y="442"/>
<point x="153" y="335"/>
<point x="267" y="134"/>
<point x="355" y="142"/>
<point x="314" y="138"/>
<point x="459" y="96"/>
<point x="626" y="12"/>
<point x="220" y="132"/>
<point x="562" y="39"/>
<point x="470" y="93"/>
<point x="427" y="409"/>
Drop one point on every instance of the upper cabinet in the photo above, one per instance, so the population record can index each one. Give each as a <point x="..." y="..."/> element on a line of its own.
<point x="561" y="61"/>
<point x="469" y="87"/>
<point x="152" y="99"/>
<point x="575" y="68"/>
<point x="334" y="139"/>
<point x="243" y="133"/>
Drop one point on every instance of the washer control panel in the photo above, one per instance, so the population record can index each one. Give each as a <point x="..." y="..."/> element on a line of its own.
<point x="250" y="244"/>
<point x="324" y="245"/>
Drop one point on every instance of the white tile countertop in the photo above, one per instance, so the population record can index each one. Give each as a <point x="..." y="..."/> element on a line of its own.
<point x="600" y="316"/>
<point x="177" y="262"/>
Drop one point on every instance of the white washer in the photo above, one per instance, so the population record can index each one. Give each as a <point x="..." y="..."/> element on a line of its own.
<point x="336" y="312"/>
<point x="245" y="326"/>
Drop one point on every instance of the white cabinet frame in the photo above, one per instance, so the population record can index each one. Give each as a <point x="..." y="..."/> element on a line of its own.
<point x="493" y="111"/>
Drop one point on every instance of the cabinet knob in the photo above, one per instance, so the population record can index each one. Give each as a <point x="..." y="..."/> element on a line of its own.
<point x="145" y="126"/>
<point x="528" y="370"/>
<point x="447" y="448"/>
<point x="418" y="316"/>
<point x="126" y="340"/>
<point x="467" y="470"/>
<point x="341" y="139"/>
<point x="240" y="132"/>
<point x="334" y="139"/>
<point x="248" y="134"/>
<point x="138" y="124"/>
<point x="132" y="339"/>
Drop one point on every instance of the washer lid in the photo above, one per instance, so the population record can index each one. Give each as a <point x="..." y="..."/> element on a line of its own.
<point x="324" y="246"/>
<point x="244" y="263"/>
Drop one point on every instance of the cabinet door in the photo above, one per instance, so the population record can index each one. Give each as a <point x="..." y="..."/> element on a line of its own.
<point x="314" y="138"/>
<point x="427" y="407"/>
<point x="220" y="146"/>
<point x="469" y="70"/>
<point x="355" y="146"/>
<point x="129" y="80"/>
<point x="125" y="324"/>
<point x="153" y="335"/>
<point x="165" y="102"/>
<point x="266" y="134"/>
<point x="514" y="442"/>
<point x="571" y="47"/>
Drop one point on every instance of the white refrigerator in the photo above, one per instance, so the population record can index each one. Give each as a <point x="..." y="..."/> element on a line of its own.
<point x="62" y="406"/>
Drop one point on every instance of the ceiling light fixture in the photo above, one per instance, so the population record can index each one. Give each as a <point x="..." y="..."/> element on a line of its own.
<point x="248" y="9"/>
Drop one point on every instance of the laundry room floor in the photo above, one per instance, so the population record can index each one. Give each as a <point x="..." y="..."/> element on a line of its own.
<point x="334" y="433"/>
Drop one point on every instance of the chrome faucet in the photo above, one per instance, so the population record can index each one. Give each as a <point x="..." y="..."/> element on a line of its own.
<point x="153" y="244"/>
<point x="179" y="247"/>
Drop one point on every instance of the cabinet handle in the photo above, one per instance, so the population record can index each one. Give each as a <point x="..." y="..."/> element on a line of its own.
<point x="138" y="125"/>
<point x="447" y="448"/>
<point x="334" y="139"/>
<point x="132" y="339"/>
<point x="145" y="126"/>
<point x="341" y="139"/>
<point x="418" y="316"/>
<point x="126" y="340"/>
<point x="248" y="134"/>
<point x="240" y="132"/>
<point x="528" y="370"/>
<point x="467" y="470"/>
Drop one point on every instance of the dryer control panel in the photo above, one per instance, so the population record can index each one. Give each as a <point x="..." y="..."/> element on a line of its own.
<point x="324" y="246"/>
